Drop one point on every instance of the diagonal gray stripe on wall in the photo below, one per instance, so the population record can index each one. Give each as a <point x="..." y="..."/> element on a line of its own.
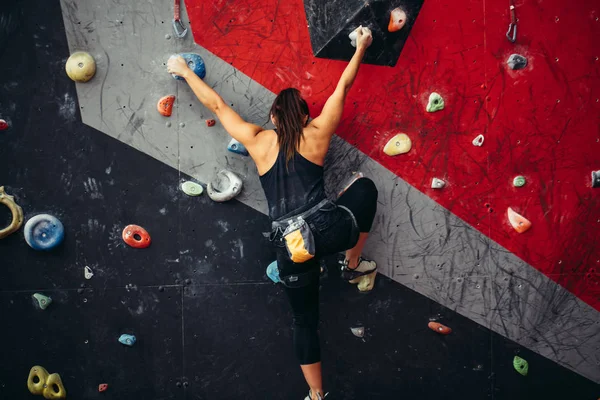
<point x="415" y="241"/>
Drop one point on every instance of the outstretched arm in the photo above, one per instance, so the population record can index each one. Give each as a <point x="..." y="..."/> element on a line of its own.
<point x="242" y="131"/>
<point x="330" y="117"/>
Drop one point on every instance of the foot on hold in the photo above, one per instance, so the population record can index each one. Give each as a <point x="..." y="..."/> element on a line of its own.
<point x="81" y="66"/>
<point x="165" y="105"/>
<point x="521" y="365"/>
<point x="191" y="188"/>
<point x="196" y="64"/>
<point x="436" y="103"/>
<point x="439" y="328"/>
<point x="516" y="61"/>
<point x="226" y="191"/>
<point x="3" y="125"/>
<point x="437" y="183"/>
<point x="44" y="232"/>
<point x="236" y="147"/>
<point x="102" y="387"/>
<point x="399" y="144"/>
<point x="478" y="141"/>
<point x="519" y="181"/>
<point x="37" y="379"/>
<point x="16" y="211"/>
<point x="520" y="223"/>
<point x="595" y="180"/>
<point x="42" y="301"/>
<point x="363" y="275"/>
<point x="127" y="340"/>
<point x="136" y="236"/>
<point x="397" y="20"/>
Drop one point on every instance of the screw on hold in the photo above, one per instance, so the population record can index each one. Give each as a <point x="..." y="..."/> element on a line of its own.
<point x="478" y="141"/>
<point x="596" y="179"/>
<point x="42" y="301"/>
<point x="521" y="365"/>
<point x="435" y="103"/>
<point x="519" y="181"/>
<point x="437" y="183"/>
<point x="516" y="61"/>
<point x="511" y="34"/>
<point x="127" y="340"/>
<point x="358" y="332"/>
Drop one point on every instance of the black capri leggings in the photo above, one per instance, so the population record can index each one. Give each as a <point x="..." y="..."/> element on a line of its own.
<point x="361" y="199"/>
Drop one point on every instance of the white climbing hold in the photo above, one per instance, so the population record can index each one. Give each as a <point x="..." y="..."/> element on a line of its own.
<point x="399" y="144"/>
<point x="353" y="36"/>
<point x="87" y="272"/>
<point x="478" y="141"/>
<point x="437" y="183"/>
<point x="191" y="188"/>
<point x="358" y="332"/>
<point x="229" y="192"/>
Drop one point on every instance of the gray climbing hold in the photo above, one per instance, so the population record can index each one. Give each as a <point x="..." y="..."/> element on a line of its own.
<point x="519" y="181"/>
<point x="436" y="103"/>
<point x="437" y="183"/>
<point x="42" y="301"/>
<point x="596" y="179"/>
<point x="358" y="332"/>
<point x="516" y="61"/>
<point x="226" y="191"/>
<point x="192" y="188"/>
<point x="87" y="272"/>
<point x="127" y="340"/>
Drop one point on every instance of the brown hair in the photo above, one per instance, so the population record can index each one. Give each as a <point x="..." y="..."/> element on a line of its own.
<point x="288" y="111"/>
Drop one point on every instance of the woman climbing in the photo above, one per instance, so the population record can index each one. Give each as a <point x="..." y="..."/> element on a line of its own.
<point x="305" y="225"/>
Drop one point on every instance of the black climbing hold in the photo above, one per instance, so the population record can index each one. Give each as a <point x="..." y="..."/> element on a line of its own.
<point x="330" y="23"/>
<point x="516" y="61"/>
<point x="188" y="281"/>
<point x="186" y="384"/>
<point x="82" y="285"/>
<point x="161" y="289"/>
<point x="80" y="291"/>
<point x="176" y="281"/>
<point x="596" y="178"/>
<point x="178" y="384"/>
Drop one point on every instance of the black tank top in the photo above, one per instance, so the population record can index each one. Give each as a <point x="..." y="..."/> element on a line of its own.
<point x="294" y="190"/>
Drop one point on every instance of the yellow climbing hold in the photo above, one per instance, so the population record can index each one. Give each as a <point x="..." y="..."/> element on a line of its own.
<point x="81" y="66"/>
<point x="54" y="388"/>
<point x="17" y="213"/>
<point x="37" y="379"/>
<point x="399" y="144"/>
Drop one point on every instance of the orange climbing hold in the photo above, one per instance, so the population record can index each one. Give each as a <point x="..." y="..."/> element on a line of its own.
<point x="397" y="20"/>
<point x="165" y="105"/>
<point x="439" y="328"/>
<point x="519" y="222"/>
<point x="210" y="122"/>
<point x="136" y="236"/>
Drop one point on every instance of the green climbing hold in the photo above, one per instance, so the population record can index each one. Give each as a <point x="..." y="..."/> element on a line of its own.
<point x="521" y="365"/>
<point x="436" y="103"/>
<point x="42" y="301"/>
<point x="191" y="188"/>
<point x="519" y="181"/>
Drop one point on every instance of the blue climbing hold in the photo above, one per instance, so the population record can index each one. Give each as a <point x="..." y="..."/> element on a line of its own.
<point x="196" y="64"/>
<point x="236" y="147"/>
<point x="44" y="232"/>
<point x="273" y="272"/>
<point x="127" y="340"/>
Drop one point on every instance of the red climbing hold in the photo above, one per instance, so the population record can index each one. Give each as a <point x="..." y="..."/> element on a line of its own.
<point x="3" y="125"/>
<point x="439" y="328"/>
<point x="102" y="387"/>
<point x="519" y="222"/>
<point x="136" y="236"/>
<point x="165" y="105"/>
<point x="397" y="20"/>
<point x="210" y="122"/>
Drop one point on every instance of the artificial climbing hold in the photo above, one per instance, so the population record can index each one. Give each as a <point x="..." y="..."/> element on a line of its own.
<point x="358" y="332"/>
<point x="437" y="183"/>
<point x="54" y="388"/>
<point x="136" y="236"/>
<point x="436" y="103"/>
<point x="478" y="141"/>
<point x="516" y="61"/>
<point x="87" y="272"/>
<point x="102" y="387"/>
<point x="399" y="144"/>
<point x="520" y="223"/>
<point x="439" y="328"/>
<point x="595" y="181"/>
<point x="224" y="193"/>
<point x="236" y="147"/>
<point x="521" y="365"/>
<point x="43" y="232"/>
<point x="365" y="282"/>
<point x="165" y="105"/>
<point x="81" y="66"/>
<point x="42" y="301"/>
<point x="353" y="36"/>
<point x="273" y="272"/>
<point x="196" y="64"/>
<point x="397" y="20"/>
<point x="37" y="379"/>
<point x="519" y="181"/>
<point x="127" y="340"/>
<point x="210" y="122"/>
<point x="15" y="209"/>
<point x="192" y="188"/>
<point x="3" y="125"/>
